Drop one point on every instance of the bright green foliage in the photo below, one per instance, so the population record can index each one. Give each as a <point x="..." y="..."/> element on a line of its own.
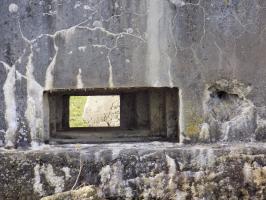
<point x="76" y="107"/>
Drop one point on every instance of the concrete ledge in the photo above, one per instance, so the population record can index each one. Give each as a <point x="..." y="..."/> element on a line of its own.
<point x="137" y="170"/>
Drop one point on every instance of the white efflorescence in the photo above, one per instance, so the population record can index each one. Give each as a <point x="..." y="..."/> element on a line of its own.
<point x="204" y="133"/>
<point x="13" y="8"/>
<point x="87" y="7"/>
<point x="171" y="165"/>
<point x="181" y="117"/>
<point x="37" y="186"/>
<point x="34" y="112"/>
<point x="77" y="4"/>
<point x="247" y="171"/>
<point x="58" y="182"/>
<point x="79" y="79"/>
<point x="66" y="170"/>
<point x="97" y="24"/>
<point x="49" y="79"/>
<point x="82" y="48"/>
<point x="178" y="3"/>
<point x="10" y="103"/>
<point x="112" y="179"/>
<point x="171" y="172"/>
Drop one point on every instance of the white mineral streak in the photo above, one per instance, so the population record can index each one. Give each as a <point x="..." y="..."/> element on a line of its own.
<point x="110" y="81"/>
<point x="243" y="120"/>
<point x="77" y="4"/>
<point x="171" y="173"/>
<point x="211" y="157"/>
<point x="58" y="182"/>
<point x="105" y="174"/>
<point x="49" y="79"/>
<point x="66" y="170"/>
<point x="112" y="178"/>
<point x="97" y="24"/>
<point x="247" y="171"/>
<point x="204" y="133"/>
<point x="79" y="79"/>
<point x="34" y="89"/>
<point x="34" y="111"/>
<point x="181" y="117"/>
<point x="178" y="3"/>
<point x="10" y="103"/>
<point x="170" y="77"/>
<point x="155" y="12"/>
<point x="67" y="33"/>
<point x="87" y="7"/>
<point x="130" y="30"/>
<point x="82" y="48"/>
<point x="171" y="166"/>
<point x="13" y="8"/>
<point x="37" y="186"/>
<point x="226" y="130"/>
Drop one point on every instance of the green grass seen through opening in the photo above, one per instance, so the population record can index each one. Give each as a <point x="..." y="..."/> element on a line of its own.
<point x="76" y="108"/>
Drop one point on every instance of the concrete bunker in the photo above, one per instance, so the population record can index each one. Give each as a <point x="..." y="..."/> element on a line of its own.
<point x="146" y="114"/>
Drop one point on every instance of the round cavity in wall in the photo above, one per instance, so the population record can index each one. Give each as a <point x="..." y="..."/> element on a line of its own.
<point x="229" y="114"/>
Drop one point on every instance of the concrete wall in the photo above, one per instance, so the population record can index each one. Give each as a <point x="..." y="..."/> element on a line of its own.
<point x="202" y="47"/>
<point x="137" y="171"/>
<point x="212" y="50"/>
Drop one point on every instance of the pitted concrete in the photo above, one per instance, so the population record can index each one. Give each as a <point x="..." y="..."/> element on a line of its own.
<point x="213" y="51"/>
<point x="137" y="171"/>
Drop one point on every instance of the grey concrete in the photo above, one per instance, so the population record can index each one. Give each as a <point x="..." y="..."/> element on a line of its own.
<point x="137" y="171"/>
<point x="192" y="45"/>
<point x="213" y="51"/>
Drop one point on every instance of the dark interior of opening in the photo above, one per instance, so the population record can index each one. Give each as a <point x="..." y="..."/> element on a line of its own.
<point x="145" y="114"/>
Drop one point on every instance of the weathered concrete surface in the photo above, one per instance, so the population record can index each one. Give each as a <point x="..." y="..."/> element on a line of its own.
<point x="203" y="47"/>
<point x="137" y="171"/>
<point x="212" y="50"/>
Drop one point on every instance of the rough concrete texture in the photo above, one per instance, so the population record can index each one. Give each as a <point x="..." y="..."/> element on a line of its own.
<point x="137" y="171"/>
<point x="212" y="50"/>
<point x="190" y="44"/>
<point x="102" y="111"/>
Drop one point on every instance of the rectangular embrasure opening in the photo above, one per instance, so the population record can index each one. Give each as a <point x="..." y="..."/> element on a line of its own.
<point x="112" y="115"/>
<point x="94" y="111"/>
